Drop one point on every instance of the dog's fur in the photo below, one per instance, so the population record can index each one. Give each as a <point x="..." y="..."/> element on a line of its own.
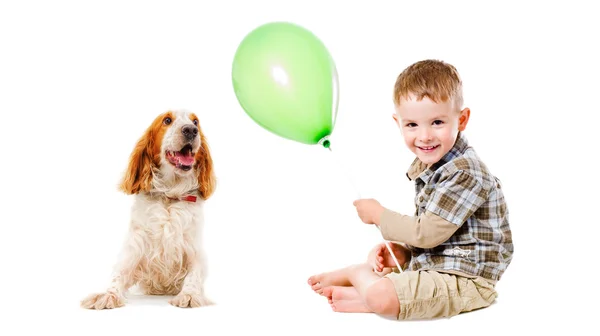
<point x="163" y="253"/>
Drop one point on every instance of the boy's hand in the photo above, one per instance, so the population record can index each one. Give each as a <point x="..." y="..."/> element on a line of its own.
<point x="375" y="258"/>
<point x="380" y="258"/>
<point x="369" y="210"/>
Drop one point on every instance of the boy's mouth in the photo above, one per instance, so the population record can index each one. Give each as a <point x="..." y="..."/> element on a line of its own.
<point x="428" y="149"/>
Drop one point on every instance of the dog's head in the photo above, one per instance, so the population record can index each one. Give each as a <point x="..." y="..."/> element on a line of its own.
<point x="175" y="148"/>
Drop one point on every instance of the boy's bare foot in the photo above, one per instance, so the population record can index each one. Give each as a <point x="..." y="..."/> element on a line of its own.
<point x="349" y="306"/>
<point x="339" y="293"/>
<point x="335" y="278"/>
<point x="345" y="300"/>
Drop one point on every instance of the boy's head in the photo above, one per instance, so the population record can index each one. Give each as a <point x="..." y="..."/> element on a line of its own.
<point x="428" y="102"/>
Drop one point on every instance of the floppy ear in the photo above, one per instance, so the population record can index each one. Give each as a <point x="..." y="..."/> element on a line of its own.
<point x="138" y="175"/>
<point x="207" y="181"/>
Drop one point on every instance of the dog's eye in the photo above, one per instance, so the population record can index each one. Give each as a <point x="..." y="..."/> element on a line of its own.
<point x="167" y="121"/>
<point x="196" y="122"/>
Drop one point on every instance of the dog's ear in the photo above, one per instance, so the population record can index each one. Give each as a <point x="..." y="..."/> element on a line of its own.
<point x="207" y="181"/>
<point x="138" y="175"/>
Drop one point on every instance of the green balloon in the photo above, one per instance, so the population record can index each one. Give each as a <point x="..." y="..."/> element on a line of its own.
<point x="286" y="81"/>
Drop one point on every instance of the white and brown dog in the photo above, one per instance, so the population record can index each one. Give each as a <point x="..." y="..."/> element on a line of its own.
<point x="170" y="174"/>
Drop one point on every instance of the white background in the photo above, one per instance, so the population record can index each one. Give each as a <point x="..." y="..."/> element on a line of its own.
<point x="81" y="81"/>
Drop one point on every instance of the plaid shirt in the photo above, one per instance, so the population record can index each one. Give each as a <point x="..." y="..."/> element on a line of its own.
<point x="460" y="189"/>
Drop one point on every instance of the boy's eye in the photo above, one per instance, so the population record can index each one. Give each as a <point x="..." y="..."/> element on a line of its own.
<point x="411" y="125"/>
<point x="437" y="122"/>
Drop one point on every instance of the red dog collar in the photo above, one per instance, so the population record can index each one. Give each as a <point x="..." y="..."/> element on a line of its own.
<point x="188" y="198"/>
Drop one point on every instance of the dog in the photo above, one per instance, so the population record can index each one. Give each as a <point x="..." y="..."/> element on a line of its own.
<point x="170" y="175"/>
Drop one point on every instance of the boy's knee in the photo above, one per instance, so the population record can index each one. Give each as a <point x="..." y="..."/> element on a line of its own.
<point x="381" y="298"/>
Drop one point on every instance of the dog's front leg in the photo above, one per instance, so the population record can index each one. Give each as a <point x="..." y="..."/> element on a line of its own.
<point x="192" y="293"/>
<point x="122" y="280"/>
<point x="114" y="296"/>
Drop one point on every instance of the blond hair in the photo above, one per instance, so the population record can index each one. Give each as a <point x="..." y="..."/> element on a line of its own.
<point x="436" y="80"/>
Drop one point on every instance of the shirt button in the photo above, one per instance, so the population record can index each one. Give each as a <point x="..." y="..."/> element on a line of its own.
<point x="420" y="198"/>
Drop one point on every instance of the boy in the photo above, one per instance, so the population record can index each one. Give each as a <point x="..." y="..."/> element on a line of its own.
<point x="458" y="244"/>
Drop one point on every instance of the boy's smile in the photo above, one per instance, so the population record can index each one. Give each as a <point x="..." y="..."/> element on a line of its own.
<point x="428" y="149"/>
<point x="430" y="129"/>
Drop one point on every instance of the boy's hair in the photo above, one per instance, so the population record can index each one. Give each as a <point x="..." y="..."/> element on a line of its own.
<point x="436" y="80"/>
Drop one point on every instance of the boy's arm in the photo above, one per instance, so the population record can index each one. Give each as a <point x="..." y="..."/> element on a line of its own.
<point x="425" y="231"/>
<point x="452" y="202"/>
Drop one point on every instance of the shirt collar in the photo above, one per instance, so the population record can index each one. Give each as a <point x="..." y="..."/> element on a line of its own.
<point x="419" y="170"/>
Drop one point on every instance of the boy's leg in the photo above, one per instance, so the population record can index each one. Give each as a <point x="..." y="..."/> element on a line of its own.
<point x="378" y="294"/>
<point x="428" y="294"/>
<point x="338" y="277"/>
<point x="409" y="295"/>
<point x="334" y="278"/>
<point x="341" y="293"/>
<point x="345" y="300"/>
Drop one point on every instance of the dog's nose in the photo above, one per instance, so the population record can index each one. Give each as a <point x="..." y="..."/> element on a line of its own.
<point x="189" y="131"/>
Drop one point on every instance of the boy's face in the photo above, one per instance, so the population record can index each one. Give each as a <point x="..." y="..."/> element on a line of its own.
<point x="429" y="129"/>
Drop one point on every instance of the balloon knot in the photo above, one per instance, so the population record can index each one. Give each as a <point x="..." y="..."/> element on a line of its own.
<point x="325" y="142"/>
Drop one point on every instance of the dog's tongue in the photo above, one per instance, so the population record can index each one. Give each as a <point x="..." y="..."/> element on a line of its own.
<point x="185" y="158"/>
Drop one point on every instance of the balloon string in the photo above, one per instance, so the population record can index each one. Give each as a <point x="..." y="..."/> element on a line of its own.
<point x="387" y="244"/>
<point x="348" y="176"/>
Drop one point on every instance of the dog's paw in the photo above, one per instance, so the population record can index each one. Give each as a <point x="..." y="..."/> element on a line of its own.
<point x="190" y="300"/>
<point x="108" y="300"/>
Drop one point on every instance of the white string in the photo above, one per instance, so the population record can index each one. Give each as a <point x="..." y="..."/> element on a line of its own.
<point x="348" y="176"/>
<point x="358" y="196"/>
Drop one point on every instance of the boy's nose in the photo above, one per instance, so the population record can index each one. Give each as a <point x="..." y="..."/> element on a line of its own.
<point x="425" y="135"/>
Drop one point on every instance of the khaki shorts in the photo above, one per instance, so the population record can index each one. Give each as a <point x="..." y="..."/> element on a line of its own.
<point x="431" y="294"/>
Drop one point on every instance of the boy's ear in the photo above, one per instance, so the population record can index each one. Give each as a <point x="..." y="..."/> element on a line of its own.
<point x="464" y="118"/>
<point x="395" y="116"/>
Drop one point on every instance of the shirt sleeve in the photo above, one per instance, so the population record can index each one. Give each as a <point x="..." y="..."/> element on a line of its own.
<point x="425" y="231"/>
<point x="456" y="198"/>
